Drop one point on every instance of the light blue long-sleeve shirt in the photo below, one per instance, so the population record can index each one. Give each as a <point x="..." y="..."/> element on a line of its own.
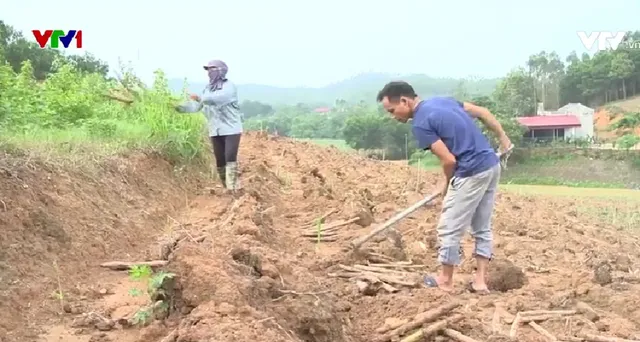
<point x="221" y="109"/>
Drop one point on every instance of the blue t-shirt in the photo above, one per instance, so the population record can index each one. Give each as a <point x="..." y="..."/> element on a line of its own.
<point x="445" y="118"/>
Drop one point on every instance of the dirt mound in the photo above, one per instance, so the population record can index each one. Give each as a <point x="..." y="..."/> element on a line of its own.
<point x="604" y="117"/>
<point x="270" y="264"/>
<point x="58" y="220"/>
<point x="505" y="276"/>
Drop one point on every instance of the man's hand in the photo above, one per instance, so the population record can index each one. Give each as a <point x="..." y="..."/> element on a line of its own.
<point x="445" y="188"/>
<point x="491" y="122"/>
<point x="505" y="143"/>
<point x="194" y="97"/>
<point x="447" y="160"/>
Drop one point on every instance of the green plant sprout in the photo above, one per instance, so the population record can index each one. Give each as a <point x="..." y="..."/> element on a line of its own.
<point x="58" y="294"/>
<point x="154" y="280"/>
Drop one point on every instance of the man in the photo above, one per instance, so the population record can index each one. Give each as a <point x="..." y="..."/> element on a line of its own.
<point x="471" y="168"/>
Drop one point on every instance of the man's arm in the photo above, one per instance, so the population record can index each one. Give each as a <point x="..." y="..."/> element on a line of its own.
<point x="428" y="139"/>
<point x="484" y="115"/>
<point x="489" y="120"/>
<point x="447" y="159"/>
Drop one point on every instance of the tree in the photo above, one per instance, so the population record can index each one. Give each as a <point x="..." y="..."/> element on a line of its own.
<point x="367" y="128"/>
<point x="547" y="70"/>
<point x="487" y="102"/>
<point x="255" y="108"/>
<point x="622" y="68"/>
<point x="89" y="64"/>
<point x="279" y="123"/>
<point x="460" y="92"/>
<point x="515" y="94"/>
<point x="606" y="76"/>
<point x="569" y="84"/>
<point x="364" y="130"/>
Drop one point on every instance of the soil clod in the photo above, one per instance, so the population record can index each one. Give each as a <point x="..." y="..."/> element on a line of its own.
<point x="505" y="276"/>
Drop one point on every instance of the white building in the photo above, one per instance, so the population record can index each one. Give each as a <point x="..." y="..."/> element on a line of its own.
<point x="584" y="114"/>
<point x="573" y="120"/>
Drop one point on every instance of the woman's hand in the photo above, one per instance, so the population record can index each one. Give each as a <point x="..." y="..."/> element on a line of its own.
<point x="195" y="97"/>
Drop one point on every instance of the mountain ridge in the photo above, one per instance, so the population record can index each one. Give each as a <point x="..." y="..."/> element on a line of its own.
<point x="361" y="87"/>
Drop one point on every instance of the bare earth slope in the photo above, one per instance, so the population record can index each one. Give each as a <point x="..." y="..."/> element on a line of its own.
<point x="247" y="272"/>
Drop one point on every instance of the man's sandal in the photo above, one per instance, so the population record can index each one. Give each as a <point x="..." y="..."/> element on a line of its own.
<point x="430" y="281"/>
<point x="471" y="289"/>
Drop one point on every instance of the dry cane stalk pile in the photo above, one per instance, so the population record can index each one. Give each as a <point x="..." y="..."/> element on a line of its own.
<point x="376" y="276"/>
<point x="532" y="319"/>
<point x="442" y="321"/>
<point x="319" y="232"/>
<point x="424" y="325"/>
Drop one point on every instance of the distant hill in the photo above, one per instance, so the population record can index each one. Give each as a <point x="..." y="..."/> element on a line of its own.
<point x="363" y="87"/>
<point x="612" y="112"/>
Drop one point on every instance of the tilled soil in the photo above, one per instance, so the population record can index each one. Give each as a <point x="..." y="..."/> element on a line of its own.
<point x="273" y="262"/>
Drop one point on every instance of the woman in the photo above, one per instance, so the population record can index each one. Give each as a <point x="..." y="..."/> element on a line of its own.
<point x="219" y="102"/>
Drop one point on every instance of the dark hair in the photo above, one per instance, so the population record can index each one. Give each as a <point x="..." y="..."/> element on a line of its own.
<point x="396" y="89"/>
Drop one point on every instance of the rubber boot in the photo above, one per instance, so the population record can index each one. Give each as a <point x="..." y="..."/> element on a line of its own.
<point x="232" y="176"/>
<point x="222" y="175"/>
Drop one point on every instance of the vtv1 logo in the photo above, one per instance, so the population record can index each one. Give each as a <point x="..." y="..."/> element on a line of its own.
<point x="606" y="40"/>
<point x="55" y="36"/>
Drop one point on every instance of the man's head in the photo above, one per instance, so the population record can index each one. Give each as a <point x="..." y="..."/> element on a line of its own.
<point x="399" y="99"/>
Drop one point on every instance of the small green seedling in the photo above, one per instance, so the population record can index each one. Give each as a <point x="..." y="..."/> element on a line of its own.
<point x="57" y="295"/>
<point x="154" y="281"/>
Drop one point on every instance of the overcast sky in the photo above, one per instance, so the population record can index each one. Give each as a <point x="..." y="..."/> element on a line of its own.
<point x="313" y="43"/>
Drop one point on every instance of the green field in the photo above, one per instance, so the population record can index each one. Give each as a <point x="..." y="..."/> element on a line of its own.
<point x="573" y="192"/>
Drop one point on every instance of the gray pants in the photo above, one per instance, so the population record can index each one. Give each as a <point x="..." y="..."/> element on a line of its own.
<point x="469" y="202"/>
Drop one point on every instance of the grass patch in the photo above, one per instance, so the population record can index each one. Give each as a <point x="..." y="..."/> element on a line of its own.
<point x="425" y="160"/>
<point x="68" y="117"/>
<point x="547" y="180"/>
<point x="573" y="192"/>
<point x="618" y="208"/>
<point x="573" y="170"/>
<point x="563" y="170"/>
<point x="79" y="143"/>
<point x="550" y="160"/>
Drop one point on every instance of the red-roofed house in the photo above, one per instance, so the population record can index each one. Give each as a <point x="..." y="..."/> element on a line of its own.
<point x="322" y="110"/>
<point x="571" y="121"/>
